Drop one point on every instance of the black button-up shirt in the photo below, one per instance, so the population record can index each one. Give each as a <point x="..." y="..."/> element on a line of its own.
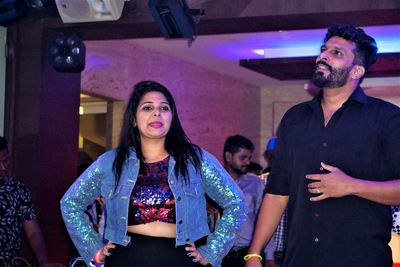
<point x="363" y="140"/>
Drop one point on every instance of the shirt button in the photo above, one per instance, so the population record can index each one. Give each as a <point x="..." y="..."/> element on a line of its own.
<point x="316" y="239"/>
<point x="178" y="198"/>
<point x="316" y="215"/>
<point x="172" y="182"/>
<point x="180" y="222"/>
<point x="187" y="239"/>
<point x="324" y="144"/>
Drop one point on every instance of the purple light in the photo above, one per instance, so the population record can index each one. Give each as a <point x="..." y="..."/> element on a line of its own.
<point x="95" y="61"/>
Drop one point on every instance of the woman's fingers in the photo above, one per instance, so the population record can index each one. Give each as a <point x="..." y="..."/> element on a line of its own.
<point x="105" y="251"/>
<point x="195" y="254"/>
<point x="192" y="251"/>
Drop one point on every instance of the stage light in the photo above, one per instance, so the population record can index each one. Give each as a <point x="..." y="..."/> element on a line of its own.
<point x="66" y="53"/>
<point x="175" y="18"/>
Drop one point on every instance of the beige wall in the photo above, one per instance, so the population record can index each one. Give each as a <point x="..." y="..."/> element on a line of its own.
<point x="275" y="101"/>
<point x="211" y="106"/>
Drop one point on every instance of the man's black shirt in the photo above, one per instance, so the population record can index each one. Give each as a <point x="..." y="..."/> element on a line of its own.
<point x="363" y="140"/>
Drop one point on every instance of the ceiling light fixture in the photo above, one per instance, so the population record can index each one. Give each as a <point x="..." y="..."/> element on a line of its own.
<point x="175" y="18"/>
<point x="66" y="53"/>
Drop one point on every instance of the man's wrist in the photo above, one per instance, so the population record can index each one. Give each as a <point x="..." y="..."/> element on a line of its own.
<point x="252" y="255"/>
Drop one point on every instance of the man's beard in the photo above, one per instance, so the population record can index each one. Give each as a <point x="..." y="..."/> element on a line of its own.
<point x="336" y="77"/>
<point x="239" y="171"/>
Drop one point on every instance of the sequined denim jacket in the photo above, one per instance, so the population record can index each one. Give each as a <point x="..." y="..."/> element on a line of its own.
<point x="191" y="216"/>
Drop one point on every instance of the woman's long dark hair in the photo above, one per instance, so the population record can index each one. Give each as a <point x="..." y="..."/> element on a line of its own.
<point x="177" y="143"/>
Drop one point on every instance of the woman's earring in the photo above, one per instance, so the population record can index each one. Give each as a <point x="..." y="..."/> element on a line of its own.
<point x="134" y="124"/>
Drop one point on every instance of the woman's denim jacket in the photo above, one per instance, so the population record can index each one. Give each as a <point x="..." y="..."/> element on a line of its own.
<point x="191" y="215"/>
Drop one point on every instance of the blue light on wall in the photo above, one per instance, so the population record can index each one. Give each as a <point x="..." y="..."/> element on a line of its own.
<point x="307" y="42"/>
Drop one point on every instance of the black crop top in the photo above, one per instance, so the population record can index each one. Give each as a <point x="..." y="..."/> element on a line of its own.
<point x="152" y="199"/>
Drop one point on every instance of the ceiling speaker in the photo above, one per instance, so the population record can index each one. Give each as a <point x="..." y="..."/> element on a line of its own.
<point x="72" y="11"/>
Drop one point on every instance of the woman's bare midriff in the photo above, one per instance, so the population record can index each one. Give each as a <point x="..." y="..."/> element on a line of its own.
<point x="158" y="229"/>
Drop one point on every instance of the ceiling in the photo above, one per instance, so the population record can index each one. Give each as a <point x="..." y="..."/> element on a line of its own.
<point x="247" y="30"/>
<point x="289" y="55"/>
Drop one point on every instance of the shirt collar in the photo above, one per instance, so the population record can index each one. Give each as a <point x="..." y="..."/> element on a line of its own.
<point x="358" y="95"/>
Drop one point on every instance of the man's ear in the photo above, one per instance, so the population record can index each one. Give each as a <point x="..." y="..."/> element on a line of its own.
<point x="228" y="157"/>
<point x="357" y="72"/>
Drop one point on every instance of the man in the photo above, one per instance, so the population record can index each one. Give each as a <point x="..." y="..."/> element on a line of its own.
<point x="336" y="165"/>
<point x="16" y="212"/>
<point x="238" y="151"/>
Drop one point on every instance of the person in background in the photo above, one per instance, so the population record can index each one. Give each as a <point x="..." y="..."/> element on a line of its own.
<point x="238" y="151"/>
<point x="336" y="165"/>
<point x="96" y="213"/>
<point x="154" y="186"/>
<point x="255" y="168"/>
<point x="268" y="154"/>
<point x="281" y="230"/>
<point x="17" y="216"/>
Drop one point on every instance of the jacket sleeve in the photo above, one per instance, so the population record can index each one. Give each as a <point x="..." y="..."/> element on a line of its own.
<point x="221" y="188"/>
<point x="82" y="193"/>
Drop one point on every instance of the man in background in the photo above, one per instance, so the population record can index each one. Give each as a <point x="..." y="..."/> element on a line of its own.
<point x="281" y="230"/>
<point x="238" y="151"/>
<point x="255" y="168"/>
<point x="16" y="216"/>
<point x="269" y="153"/>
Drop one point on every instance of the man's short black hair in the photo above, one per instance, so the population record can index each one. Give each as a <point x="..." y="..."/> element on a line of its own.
<point x="234" y="143"/>
<point x="3" y="143"/>
<point x="366" y="48"/>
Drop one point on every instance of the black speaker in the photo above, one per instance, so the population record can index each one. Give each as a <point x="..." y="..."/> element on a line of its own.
<point x="66" y="52"/>
<point x="174" y="18"/>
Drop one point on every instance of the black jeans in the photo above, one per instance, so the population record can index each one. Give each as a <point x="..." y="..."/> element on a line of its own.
<point x="234" y="258"/>
<point x="147" y="251"/>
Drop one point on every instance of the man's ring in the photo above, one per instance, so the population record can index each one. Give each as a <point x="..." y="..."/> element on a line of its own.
<point x="318" y="192"/>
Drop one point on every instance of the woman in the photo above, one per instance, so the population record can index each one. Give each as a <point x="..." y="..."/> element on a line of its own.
<point x="154" y="186"/>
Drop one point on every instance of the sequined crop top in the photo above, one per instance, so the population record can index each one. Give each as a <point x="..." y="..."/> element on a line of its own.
<point x="152" y="199"/>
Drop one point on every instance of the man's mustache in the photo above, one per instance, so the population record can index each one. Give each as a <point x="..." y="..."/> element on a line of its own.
<point x="320" y="62"/>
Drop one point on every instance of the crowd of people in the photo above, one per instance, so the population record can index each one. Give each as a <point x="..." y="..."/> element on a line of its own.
<point x="324" y="198"/>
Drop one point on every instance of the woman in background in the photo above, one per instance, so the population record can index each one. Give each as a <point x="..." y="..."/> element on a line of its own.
<point x="154" y="186"/>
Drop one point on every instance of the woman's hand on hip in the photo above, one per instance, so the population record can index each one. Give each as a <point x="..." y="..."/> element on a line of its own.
<point x="105" y="251"/>
<point x="197" y="257"/>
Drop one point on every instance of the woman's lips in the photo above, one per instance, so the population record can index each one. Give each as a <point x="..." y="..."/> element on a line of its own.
<point x="156" y="124"/>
